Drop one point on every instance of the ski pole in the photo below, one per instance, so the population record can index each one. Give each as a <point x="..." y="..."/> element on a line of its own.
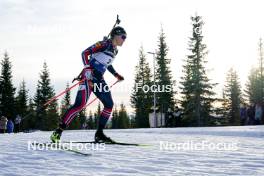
<point x="67" y="90"/>
<point x="97" y="98"/>
<point x="53" y="98"/>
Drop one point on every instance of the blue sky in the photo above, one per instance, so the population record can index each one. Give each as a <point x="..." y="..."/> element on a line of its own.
<point x="34" y="31"/>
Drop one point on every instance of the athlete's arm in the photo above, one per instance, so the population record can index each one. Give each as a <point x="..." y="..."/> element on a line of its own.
<point x="111" y="69"/>
<point x="99" y="46"/>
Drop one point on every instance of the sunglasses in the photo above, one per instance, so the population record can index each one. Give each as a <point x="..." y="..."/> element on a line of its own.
<point x="123" y="37"/>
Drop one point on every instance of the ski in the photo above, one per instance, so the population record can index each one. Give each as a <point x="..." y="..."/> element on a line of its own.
<point x="59" y="146"/>
<point x="107" y="143"/>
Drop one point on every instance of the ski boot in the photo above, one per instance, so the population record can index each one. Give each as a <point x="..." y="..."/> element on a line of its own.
<point x="100" y="137"/>
<point x="55" y="136"/>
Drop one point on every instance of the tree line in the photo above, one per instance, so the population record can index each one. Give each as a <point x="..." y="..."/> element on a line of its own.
<point x="196" y="97"/>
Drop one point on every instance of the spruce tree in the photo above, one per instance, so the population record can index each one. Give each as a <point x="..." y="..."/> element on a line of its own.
<point x="7" y="89"/>
<point x="142" y="100"/>
<point x="253" y="87"/>
<point x="47" y="116"/>
<point x="223" y="110"/>
<point x="90" y="121"/>
<point x="261" y="70"/>
<point x="233" y="98"/>
<point x="81" y="118"/>
<point x="165" y="93"/>
<point x="30" y="120"/>
<point x="22" y="100"/>
<point x="40" y="112"/>
<point x="115" y="118"/>
<point x="132" y="123"/>
<point x="97" y="115"/>
<point x="123" y="119"/>
<point x="66" y="101"/>
<point x="195" y="85"/>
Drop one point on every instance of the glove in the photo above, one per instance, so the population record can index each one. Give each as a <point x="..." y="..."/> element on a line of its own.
<point x="119" y="77"/>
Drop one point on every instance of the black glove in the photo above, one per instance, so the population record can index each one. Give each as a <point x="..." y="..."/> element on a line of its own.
<point x="119" y="77"/>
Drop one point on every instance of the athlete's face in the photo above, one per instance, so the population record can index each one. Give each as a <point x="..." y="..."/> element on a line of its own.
<point x="120" y="39"/>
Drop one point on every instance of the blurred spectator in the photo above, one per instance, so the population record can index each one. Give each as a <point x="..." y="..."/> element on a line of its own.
<point x="258" y="114"/>
<point x="251" y="114"/>
<point x="17" y="123"/>
<point x="169" y="118"/>
<point x="243" y="115"/>
<point x="10" y="126"/>
<point x="84" y="126"/>
<point x="178" y="116"/>
<point x="3" y="123"/>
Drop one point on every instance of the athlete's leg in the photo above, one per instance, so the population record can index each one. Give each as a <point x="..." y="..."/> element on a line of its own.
<point x="80" y="101"/>
<point x="104" y="95"/>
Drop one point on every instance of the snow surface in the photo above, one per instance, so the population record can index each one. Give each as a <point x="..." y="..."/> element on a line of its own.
<point x="245" y="158"/>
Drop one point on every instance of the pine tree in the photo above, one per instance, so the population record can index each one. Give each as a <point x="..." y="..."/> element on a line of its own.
<point x="90" y="121"/>
<point x="165" y="93"/>
<point x="52" y="118"/>
<point x="22" y="100"/>
<point x="132" y="120"/>
<point x="115" y="118"/>
<point x="82" y="118"/>
<point x="40" y="112"/>
<point x="195" y="86"/>
<point x="66" y="101"/>
<point x="261" y="70"/>
<point x="142" y="100"/>
<point x="123" y="119"/>
<point x="47" y="117"/>
<point x="223" y="110"/>
<point x="97" y="115"/>
<point x="233" y="98"/>
<point x="7" y="89"/>
<point x="255" y="86"/>
<point x="30" y="120"/>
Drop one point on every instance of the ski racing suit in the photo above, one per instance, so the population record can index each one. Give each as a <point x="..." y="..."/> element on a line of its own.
<point x="96" y="59"/>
